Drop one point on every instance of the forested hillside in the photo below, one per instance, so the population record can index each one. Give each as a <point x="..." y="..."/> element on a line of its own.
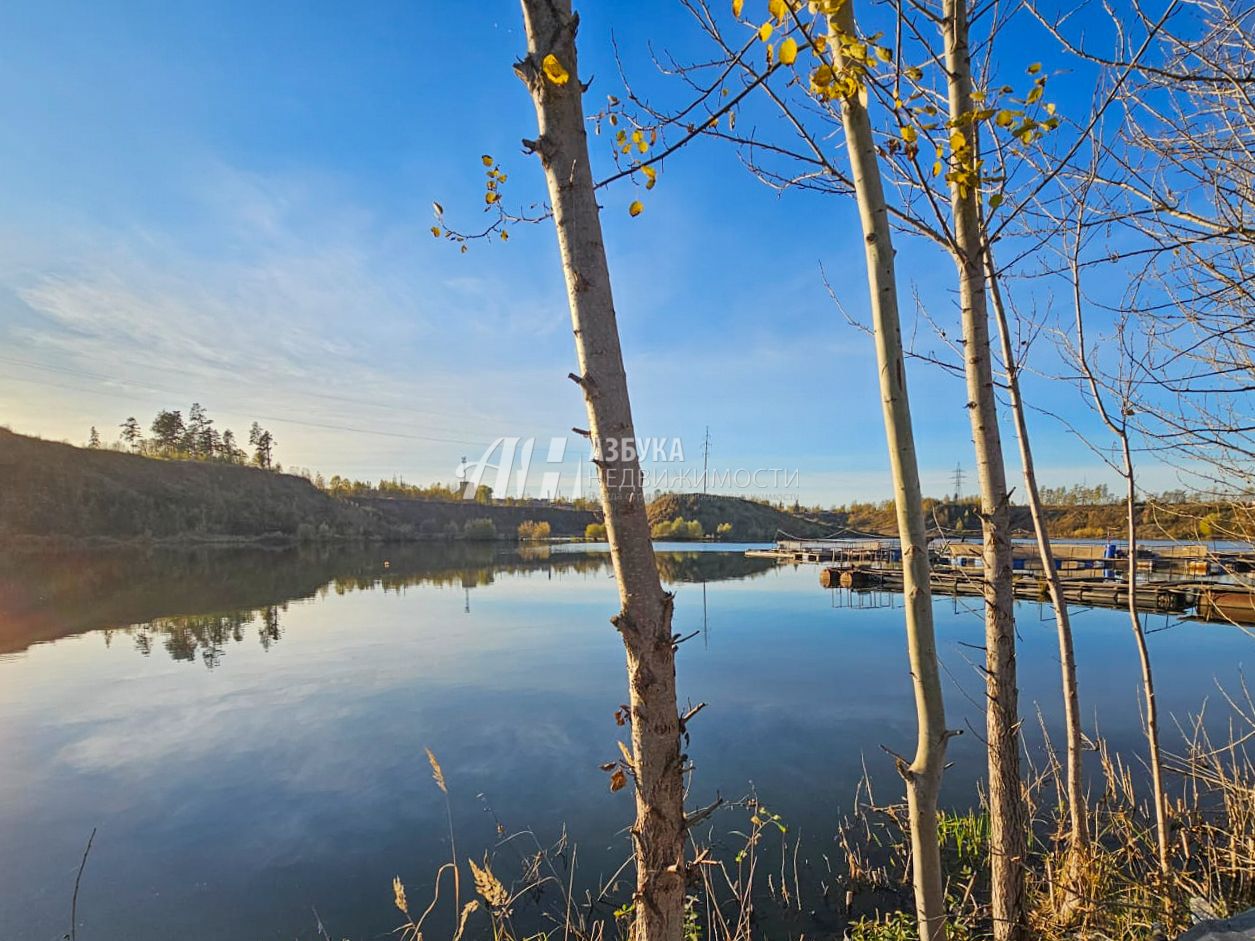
<point x="53" y="489"/>
<point x="750" y="521"/>
<point x="58" y="490"/>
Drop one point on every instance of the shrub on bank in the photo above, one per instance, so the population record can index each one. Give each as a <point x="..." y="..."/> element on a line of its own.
<point x="532" y="531"/>
<point x="479" y="529"/>
<point x="678" y="528"/>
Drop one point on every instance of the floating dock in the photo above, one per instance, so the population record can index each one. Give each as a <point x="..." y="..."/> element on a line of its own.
<point x="1086" y="591"/>
<point x="1172" y="578"/>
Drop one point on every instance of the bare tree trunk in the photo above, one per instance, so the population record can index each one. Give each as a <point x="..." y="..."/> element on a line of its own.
<point x="923" y="775"/>
<point x="645" y="619"/>
<point x="1121" y="431"/>
<point x="1007" y="813"/>
<point x="1078" y="831"/>
<point x="1143" y="655"/>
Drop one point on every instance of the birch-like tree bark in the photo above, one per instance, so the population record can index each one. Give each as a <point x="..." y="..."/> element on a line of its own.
<point x="1078" y="831"/>
<point x="923" y="774"/>
<point x="550" y="72"/>
<point x="1007" y="813"/>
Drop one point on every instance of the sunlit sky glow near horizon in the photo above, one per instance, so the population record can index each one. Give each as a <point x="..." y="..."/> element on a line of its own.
<point x="230" y="204"/>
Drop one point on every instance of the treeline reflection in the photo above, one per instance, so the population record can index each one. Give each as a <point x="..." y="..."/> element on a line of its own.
<point x="205" y="635"/>
<point x="194" y="604"/>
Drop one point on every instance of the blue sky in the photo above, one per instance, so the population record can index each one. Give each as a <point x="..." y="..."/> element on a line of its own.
<point x="230" y="203"/>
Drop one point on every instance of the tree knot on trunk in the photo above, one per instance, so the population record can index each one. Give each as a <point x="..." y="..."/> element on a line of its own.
<point x="624" y="625"/>
<point x="542" y="146"/>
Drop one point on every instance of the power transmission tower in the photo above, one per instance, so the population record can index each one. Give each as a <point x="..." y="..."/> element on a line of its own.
<point x="705" y="458"/>
<point x="958" y="482"/>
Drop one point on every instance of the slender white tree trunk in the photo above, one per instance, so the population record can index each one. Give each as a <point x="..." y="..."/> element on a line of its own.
<point x="645" y="619"/>
<point x="1143" y="656"/>
<point x="923" y="775"/>
<point x="1007" y="814"/>
<point x="1159" y="798"/>
<point x="1078" y="837"/>
<point x="1121" y="431"/>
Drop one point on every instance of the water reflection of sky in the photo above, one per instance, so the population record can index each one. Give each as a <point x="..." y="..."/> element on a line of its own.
<point x="233" y="801"/>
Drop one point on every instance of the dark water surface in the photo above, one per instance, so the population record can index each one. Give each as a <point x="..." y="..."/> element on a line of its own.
<point x="246" y="728"/>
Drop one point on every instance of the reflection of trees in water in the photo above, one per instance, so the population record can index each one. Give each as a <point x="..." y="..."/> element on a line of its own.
<point x="164" y="594"/>
<point x="207" y="634"/>
<point x="710" y="566"/>
<point x="466" y="575"/>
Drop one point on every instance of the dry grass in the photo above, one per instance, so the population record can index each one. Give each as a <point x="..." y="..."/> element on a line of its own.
<point x="751" y="879"/>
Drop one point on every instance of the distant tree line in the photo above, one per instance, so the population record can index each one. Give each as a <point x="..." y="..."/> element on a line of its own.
<point x="1077" y="495"/>
<point x="194" y="438"/>
<point x="398" y="489"/>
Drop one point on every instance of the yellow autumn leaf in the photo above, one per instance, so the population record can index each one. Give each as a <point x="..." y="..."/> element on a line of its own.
<point x="1004" y="118"/>
<point x="491" y="197"/>
<point x="909" y="134"/>
<point x="765" y="31"/>
<point x="937" y="168"/>
<point x="957" y="141"/>
<point x="487" y="160"/>
<point x="1050" y="107"/>
<point x="636" y="208"/>
<point x="820" y="43"/>
<point x="651" y="177"/>
<point x="737" y="7"/>
<point x="914" y="74"/>
<point x="884" y="53"/>
<point x="554" y="70"/>
<point x="788" y="51"/>
<point x="1034" y="68"/>
<point x="435" y="231"/>
<point x="777" y="9"/>
<point x="505" y="236"/>
<point x="995" y="200"/>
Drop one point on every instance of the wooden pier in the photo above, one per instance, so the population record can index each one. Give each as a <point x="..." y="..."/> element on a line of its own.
<point x="1086" y="591"/>
<point x="1174" y="578"/>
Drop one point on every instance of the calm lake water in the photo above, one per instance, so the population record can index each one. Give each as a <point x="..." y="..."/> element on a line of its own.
<point x="245" y="729"/>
